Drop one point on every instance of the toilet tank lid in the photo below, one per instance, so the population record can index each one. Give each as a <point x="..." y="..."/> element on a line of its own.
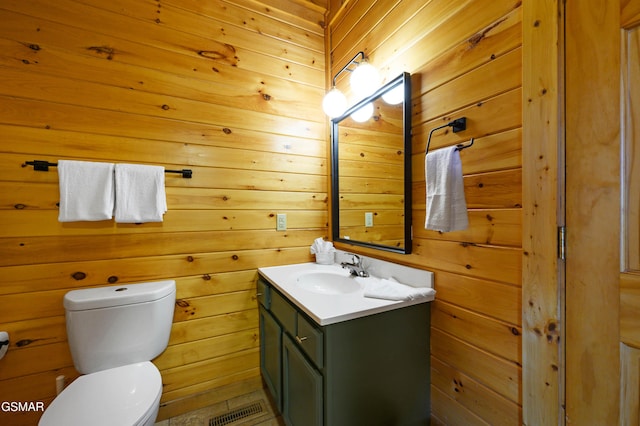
<point x="125" y="294"/>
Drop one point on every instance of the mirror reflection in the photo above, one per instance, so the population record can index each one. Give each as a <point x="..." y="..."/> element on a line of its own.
<point x="371" y="170"/>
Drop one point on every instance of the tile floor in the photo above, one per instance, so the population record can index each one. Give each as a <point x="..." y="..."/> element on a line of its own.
<point x="203" y="416"/>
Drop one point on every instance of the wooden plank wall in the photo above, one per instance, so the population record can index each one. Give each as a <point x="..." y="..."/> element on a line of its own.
<point x="230" y="89"/>
<point x="465" y="59"/>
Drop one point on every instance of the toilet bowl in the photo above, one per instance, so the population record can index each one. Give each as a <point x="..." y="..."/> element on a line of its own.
<point x="114" y="333"/>
<point x="128" y="395"/>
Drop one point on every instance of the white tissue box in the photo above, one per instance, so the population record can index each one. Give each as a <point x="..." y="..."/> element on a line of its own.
<point x="325" y="258"/>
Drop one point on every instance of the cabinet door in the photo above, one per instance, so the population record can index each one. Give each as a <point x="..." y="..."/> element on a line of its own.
<point x="302" y="388"/>
<point x="270" y="347"/>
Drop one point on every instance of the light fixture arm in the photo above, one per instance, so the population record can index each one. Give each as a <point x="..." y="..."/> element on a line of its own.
<point x="346" y="67"/>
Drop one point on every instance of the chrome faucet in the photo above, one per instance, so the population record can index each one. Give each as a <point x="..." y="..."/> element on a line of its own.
<point x="355" y="267"/>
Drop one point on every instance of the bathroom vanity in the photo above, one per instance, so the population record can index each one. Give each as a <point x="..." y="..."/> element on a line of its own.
<point x="342" y="359"/>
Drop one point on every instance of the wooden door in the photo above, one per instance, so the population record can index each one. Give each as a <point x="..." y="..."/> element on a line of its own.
<point x="630" y="229"/>
<point x="602" y="212"/>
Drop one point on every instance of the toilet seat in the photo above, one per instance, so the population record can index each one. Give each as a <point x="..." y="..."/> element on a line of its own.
<point x="128" y="395"/>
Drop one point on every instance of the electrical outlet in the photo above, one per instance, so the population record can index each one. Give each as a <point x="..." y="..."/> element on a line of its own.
<point x="368" y="219"/>
<point x="281" y="222"/>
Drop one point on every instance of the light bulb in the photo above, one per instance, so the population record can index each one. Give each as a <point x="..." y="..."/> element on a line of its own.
<point x="395" y="95"/>
<point x="334" y="103"/>
<point x="363" y="113"/>
<point x="364" y="79"/>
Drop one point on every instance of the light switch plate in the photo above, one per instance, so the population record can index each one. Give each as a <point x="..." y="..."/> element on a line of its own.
<point x="281" y="222"/>
<point x="368" y="219"/>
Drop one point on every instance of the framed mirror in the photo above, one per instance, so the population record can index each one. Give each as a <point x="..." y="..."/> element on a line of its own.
<point x="371" y="170"/>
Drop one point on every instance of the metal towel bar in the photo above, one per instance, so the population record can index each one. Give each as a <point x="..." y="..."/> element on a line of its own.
<point x="457" y="125"/>
<point x="43" y="166"/>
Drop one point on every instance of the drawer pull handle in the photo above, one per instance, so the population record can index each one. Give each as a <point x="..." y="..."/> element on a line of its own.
<point x="301" y="339"/>
<point x="258" y="294"/>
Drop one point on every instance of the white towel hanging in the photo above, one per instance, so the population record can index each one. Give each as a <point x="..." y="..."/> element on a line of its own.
<point x="140" y="193"/>
<point x="446" y="204"/>
<point x="86" y="191"/>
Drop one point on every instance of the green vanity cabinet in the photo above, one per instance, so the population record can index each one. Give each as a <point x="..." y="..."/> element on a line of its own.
<point x="369" y="371"/>
<point x="271" y="354"/>
<point x="301" y="387"/>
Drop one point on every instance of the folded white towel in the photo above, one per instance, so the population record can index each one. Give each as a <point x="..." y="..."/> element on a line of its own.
<point x="140" y="193"/>
<point x="86" y="191"/>
<point x="392" y="290"/>
<point x="321" y="246"/>
<point x="446" y="205"/>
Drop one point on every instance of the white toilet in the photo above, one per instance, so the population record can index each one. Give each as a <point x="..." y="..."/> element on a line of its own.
<point x="114" y="333"/>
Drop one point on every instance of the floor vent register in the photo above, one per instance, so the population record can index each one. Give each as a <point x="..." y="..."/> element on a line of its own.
<point x="237" y="414"/>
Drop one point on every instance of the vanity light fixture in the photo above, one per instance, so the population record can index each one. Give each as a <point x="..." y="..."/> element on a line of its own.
<point x="363" y="113"/>
<point x="395" y="95"/>
<point x="364" y="81"/>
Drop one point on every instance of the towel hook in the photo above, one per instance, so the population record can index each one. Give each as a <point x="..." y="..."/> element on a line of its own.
<point x="457" y="125"/>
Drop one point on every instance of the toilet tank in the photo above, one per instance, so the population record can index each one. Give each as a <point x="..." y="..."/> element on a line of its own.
<point x="113" y="326"/>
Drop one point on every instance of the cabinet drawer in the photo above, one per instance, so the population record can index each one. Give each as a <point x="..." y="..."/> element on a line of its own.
<point x="284" y="312"/>
<point x="263" y="293"/>
<point x="310" y="339"/>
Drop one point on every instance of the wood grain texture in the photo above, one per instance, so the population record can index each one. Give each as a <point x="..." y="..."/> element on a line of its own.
<point x="630" y="386"/>
<point x="230" y="90"/>
<point x="592" y="203"/>
<point x="465" y="59"/>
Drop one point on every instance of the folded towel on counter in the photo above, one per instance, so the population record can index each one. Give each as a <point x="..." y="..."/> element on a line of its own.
<point x="446" y="205"/>
<point x="324" y="251"/>
<point x="140" y="193"/>
<point x="86" y="191"/>
<point x="321" y="246"/>
<point x="390" y="289"/>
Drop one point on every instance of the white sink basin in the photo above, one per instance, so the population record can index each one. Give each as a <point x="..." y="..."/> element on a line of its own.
<point x="325" y="282"/>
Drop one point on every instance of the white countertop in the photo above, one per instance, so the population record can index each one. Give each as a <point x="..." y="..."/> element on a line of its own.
<point x="327" y="309"/>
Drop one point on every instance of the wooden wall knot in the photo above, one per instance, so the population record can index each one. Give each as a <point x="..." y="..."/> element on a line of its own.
<point x="458" y="387"/>
<point x="103" y="50"/>
<point x="225" y="54"/>
<point x="79" y="276"/>
<point x="112" y="279"/>
<point x="182" y="303"/>
<point x="32" y="46"/>
<point x="478" y="37"/>
<point x="206" y="277"/>
<point x="25" y="342"/>
<point x="235" y="257"/>
<point x="551" y="332"/>
<point x="190" y="259"/>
